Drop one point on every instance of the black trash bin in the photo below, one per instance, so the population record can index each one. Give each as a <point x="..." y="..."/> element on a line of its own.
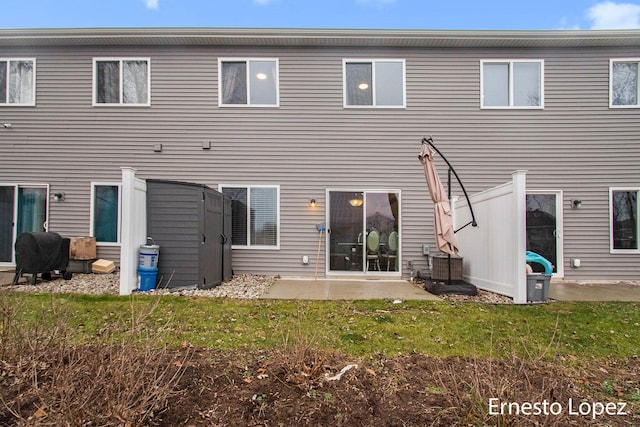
<point x="41" y="252"/>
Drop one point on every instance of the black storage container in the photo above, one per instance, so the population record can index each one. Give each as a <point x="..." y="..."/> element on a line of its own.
<point x="192" y="225"/>
<point x="41" y="252"/>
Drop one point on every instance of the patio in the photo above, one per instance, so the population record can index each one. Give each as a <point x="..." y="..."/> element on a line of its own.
<point x="343" y="289"/>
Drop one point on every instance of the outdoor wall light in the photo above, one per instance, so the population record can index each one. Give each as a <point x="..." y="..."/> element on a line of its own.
<point x="576" y="204"/>
<point x="58" y="197"/>
<point x="7" y="125"/>
<point x="313" y="203"/>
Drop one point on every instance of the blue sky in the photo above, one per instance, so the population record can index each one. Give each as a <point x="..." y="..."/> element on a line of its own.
<point x="371" y="14"/>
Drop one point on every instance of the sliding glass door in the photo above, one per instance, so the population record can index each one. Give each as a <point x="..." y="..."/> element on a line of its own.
<point x="544" y="228"/>
<point x="363" y="232"/>
<point x="7" y="209"/>
<point x="22" y="209"/>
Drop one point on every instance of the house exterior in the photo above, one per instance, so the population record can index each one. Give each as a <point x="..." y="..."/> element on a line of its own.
<point x="314" y="135"/>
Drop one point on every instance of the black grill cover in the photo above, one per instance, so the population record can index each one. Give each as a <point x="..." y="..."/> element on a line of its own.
<point x="41" y="252"/>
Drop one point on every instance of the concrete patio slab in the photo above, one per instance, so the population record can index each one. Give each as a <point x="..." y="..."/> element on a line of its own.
<point x="353" y="289"/>
<point x="6" y="277"/>
<point x="347" y="290"/>
<point x="593" y="291"/>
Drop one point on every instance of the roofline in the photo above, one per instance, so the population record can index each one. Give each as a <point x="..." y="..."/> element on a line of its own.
<point x="317" y="37"/>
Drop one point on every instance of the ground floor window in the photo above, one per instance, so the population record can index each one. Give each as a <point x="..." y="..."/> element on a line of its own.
<point x="105" y="212"/>
<point x="624" y="219"/>
<point x="255" y="215"/>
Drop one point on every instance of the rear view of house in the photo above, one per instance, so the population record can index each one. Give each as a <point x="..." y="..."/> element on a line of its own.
<point x="314" y="136"/>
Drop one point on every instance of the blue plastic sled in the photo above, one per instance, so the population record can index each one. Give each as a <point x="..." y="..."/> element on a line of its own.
<point x="534" y="257"/>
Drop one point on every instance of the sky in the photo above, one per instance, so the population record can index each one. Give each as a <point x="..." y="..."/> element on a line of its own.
<point x="359" y="14"/>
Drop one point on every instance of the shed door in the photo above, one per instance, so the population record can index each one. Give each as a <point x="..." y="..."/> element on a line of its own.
<point x="212" y="251"/>
<point x="227" y="269"/>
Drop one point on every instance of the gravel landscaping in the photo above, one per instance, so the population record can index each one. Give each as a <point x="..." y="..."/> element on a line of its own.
<point x="243" y="286"/>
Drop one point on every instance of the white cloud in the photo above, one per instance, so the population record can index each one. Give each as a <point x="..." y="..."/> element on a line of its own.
<point x="264" y="2"/>
<point x="613" y="16"/>
<point x="151" y="4"/>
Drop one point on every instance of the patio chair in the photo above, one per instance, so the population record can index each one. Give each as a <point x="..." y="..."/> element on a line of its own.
<point x="392" y="250"/>
<point x="373" y="246"/>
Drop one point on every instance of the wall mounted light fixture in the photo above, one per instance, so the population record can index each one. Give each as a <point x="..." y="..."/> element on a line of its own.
<point x="58" y="197"/>
<point x="313" y="203"/>
<point x="576" y="204"/>
<point x="7" y="125"/>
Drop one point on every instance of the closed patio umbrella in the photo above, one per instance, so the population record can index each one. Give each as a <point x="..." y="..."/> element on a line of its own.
<point x="444" y="232"/>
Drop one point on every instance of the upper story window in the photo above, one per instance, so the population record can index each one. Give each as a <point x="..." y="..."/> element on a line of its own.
<point x="105" y="212"/>
<point x="248" y="82"/>
<point x="512" y="84"/>
<point x="121" y="81"/>
<point x="623" y="203"/>
<point x="17" y="81"/>
<point x="623" y="83"/>
<point x="255" y="215"/>
<point x="374" y="83"/>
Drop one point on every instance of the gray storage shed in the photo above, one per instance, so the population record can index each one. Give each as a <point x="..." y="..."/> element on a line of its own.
<point x="192" y="225"/>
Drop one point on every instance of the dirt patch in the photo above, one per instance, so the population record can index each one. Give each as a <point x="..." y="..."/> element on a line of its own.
<point x="414" y="390"/>
<point x="311" y="388"/>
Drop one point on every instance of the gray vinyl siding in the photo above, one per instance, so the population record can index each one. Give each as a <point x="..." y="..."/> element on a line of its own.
<point x="311" y="143"/>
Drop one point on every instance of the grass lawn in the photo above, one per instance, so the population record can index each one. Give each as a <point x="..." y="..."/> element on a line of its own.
<point x="358" y="328"/>
<point x="71" y="359"/>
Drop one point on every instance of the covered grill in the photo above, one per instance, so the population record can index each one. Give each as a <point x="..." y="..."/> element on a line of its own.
<point x="41" y="252"/>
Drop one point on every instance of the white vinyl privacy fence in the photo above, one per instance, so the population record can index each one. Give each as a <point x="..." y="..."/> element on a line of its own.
<point x="134" y="228"/>
<point x="495" y="251"/>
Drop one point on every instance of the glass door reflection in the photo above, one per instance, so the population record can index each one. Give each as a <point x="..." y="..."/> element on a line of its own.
<point x="345" y="225"/>
<point x="544" y="229"/>
<point x="382" y="231"/>
<point x="364" y="232"/>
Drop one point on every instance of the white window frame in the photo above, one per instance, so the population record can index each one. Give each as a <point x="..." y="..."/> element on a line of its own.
<point x="33" y="83"/>
<point x="613" y="61"/>
<point x="510" y="63"/>
<point x="623" y="251"/>
<point x="121" y="103"/>
<point x="249" y="187"/>
<point x="247" y="61"/>
<point x="373" y="62"/>
<point x="92" y="211"/>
